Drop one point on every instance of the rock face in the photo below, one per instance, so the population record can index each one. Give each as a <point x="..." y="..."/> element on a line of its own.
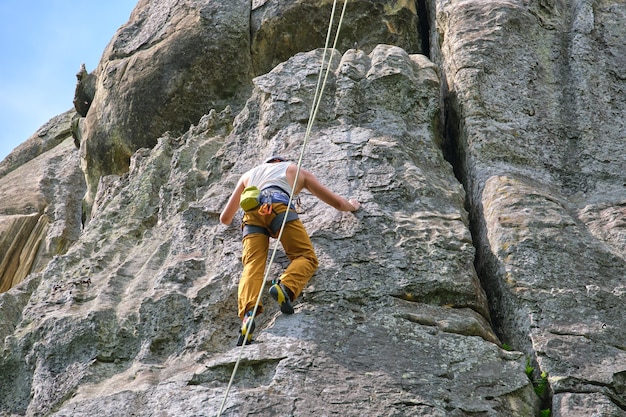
<point x="541" y="147"/>
<point x="489" y="246"/>
<point x="173" y="62"/>
<point x="281" y="29"/>
<point x="40" y="211"/>
<point x="170" y="64"/>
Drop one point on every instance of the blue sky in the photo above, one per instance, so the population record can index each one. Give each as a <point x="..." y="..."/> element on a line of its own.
<point x="42" y="44"/>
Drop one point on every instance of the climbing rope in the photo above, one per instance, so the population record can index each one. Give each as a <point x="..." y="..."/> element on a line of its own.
<point x="319" y="91"/>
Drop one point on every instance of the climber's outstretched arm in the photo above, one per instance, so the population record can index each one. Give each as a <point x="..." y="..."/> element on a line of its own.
<point x="307" y="180"/>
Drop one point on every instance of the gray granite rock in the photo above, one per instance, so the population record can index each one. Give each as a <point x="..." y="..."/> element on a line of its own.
<point x="487" y="260"/>
<point x="537" y="136"/>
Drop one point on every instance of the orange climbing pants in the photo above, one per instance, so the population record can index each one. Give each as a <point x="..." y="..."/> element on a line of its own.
<point x="298" y="248"/>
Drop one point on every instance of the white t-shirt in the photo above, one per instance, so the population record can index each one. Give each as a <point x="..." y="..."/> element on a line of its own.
<point x="270" y="175"/>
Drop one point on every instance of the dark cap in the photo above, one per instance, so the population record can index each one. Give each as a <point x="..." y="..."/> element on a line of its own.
<point x="275" y="158"/>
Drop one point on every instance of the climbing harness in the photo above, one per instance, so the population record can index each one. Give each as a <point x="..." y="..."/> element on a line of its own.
<point x="274" y="226"/>
<point x="319" y="91"/>
<point x="264" y="207"/>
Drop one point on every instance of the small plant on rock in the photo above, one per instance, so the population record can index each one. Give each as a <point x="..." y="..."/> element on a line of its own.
<point x="540" y="386"/>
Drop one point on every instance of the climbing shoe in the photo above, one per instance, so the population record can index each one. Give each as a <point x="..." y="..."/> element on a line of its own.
<point x="247" y="327"/>
<point x="280" y="293"/>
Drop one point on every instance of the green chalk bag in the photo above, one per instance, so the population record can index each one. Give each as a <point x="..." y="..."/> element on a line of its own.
<point x="250" y="198"/>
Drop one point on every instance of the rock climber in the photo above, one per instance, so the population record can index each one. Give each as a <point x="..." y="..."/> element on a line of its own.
<point x="275" y="179"/>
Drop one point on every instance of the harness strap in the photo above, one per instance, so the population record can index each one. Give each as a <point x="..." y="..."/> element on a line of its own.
<point x="250" y="228"/>
<point x="278" y="220"/>
<point x="275" y="194"/>
<point x="274" y="226"/>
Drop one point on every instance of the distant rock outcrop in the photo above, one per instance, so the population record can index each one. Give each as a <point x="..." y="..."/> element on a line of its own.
<point x="483" y="275"/>
<point x="85" y="91"/>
